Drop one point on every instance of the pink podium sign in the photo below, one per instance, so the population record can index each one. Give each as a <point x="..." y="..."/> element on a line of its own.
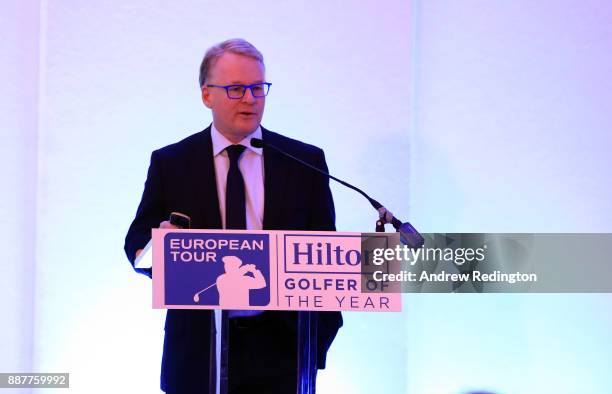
<point x="263" y="270"/>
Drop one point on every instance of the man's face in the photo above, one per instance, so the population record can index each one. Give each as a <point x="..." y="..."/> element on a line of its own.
<point x="234" y="118"/>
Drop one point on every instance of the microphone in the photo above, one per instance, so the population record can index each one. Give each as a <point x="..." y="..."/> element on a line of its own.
<point x="408" y="234"/>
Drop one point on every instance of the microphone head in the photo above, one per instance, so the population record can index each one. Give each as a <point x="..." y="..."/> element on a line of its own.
<point x="409" y="235"/>
<point x="256" y="143"/>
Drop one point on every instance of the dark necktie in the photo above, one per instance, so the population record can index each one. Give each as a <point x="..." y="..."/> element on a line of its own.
<point x="235" y="208"/>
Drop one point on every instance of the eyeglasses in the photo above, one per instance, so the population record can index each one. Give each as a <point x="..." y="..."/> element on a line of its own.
<point x="235" y="92"/>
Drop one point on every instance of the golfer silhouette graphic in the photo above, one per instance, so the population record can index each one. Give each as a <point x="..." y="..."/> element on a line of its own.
<point x="234" y="285"/>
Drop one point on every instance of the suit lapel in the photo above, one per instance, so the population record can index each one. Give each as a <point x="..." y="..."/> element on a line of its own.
<point x="205" y="184"/>
<point x="275" y="184"/>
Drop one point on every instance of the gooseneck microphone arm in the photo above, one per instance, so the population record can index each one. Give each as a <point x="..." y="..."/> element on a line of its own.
<point x="257" y="143"/>
<point x="407" y="231"/>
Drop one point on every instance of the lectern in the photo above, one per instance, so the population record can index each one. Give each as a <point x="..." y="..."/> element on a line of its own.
<point x="304" y="272"/>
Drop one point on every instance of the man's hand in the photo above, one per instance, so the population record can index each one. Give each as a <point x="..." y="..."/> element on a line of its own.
<point x="164" y="225"/>
<point x="167" y="225"/>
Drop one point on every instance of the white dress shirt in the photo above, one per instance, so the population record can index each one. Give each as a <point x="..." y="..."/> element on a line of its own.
<point x="252" y="169"/>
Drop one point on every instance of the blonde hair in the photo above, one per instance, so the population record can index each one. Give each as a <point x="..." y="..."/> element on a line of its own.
<point x="238" y="46"/>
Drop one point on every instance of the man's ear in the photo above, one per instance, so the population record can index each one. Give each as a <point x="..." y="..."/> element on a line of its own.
<point x="206" y="96"/>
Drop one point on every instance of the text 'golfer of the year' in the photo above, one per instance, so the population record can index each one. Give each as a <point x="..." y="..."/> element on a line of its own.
<point x="326" y="271"/>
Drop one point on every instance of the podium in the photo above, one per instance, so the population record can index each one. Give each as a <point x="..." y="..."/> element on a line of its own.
<point x="302" y="271"/>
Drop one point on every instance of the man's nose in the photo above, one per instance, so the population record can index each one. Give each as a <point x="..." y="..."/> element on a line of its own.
<point x="248" y="96"/>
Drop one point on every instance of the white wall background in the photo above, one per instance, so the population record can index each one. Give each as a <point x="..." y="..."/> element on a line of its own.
<point x="18" y="174"/>
<point x="461" y="116"/>
<point x="511" y="133"/>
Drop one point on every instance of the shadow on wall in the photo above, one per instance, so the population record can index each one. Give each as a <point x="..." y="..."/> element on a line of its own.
<point x="480" y="392"/>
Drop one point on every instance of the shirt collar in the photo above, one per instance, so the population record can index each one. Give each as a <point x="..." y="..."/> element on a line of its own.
<point x="219" y="142"/>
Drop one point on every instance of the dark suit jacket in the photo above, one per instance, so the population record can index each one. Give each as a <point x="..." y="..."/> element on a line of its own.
<point x="181" y="178"/>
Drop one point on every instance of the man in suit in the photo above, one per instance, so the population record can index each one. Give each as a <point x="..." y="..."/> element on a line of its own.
<point x="201" y="176"/>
